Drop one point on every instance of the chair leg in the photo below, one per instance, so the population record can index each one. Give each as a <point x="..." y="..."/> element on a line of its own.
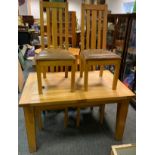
<point x="39" y="79"/>
<point x="86" y="77"/>
<point x="116" y="75"/>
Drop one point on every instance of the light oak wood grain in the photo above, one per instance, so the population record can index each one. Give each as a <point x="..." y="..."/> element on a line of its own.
<point x="48" y="27"/>
<point x="42" y="25"/>
<point x="93" y="30"/>
<point x="57" y="95"/>
<point x="30" y="128"/>
<point x="88" y="29"/>
<point x="20" y="77"/>
<point x="122" y="110"/>
<point x="58" y="92"/>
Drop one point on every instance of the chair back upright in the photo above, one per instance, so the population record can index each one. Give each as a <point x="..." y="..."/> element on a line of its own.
<point x="93" y="26"/>
<point x="56" y="15"/>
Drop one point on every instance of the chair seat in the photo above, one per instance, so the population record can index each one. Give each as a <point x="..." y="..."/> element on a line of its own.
<point x="99" y="54"/>
<point x="55" y="55"/>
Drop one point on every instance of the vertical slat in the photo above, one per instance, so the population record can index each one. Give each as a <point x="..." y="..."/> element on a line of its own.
<point x="42" y="25"/>
<point x="66" y="26"/>
<point x="104" y="28"/>
<point x="93" y="36"/>
<point x="88" y="29"/>
<point x="99" y="30"/>
<point x="82" y="28"/>
<point x="54" y="27"/>
<point x="61" y="68"/>
<point x="48" y="27"/>
<point x="60" y="28"/>
<point x="56" y="68"/>
<point x="73" y="20"/>
<point x="51" y="68"/>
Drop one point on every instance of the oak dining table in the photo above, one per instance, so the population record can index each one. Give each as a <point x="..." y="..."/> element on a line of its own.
<point x="57" y="95"/>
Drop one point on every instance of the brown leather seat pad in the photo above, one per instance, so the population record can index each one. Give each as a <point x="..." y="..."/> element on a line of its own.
<point x="98" y="54"/>
<point x="55" y="54"/>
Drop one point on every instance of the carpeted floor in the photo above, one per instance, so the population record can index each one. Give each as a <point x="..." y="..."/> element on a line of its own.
<point x="89" y="139"/>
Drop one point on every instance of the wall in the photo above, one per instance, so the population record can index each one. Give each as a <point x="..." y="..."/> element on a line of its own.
<point x="116" y="6"/>
<point x="35" y="8"/>
<point x="23" y="9"/>
<point x="75" y="5"/>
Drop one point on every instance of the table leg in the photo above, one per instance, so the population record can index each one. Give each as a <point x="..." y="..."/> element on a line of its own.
<point x="116" y="75"/>
<point x="30" y="128"/>
<point x="39" y="118"/>
<point x="73" y="78"/>
<point x="86" y="77"/>
<point x="78" y="117"/>
<point x="122" y="110"/>
<point x="102" y="107"/>
<point x="39" y="79"/>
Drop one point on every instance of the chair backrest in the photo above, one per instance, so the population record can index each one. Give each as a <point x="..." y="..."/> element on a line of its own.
<point x="93" y="26"/>
<point x="56" y="14"/>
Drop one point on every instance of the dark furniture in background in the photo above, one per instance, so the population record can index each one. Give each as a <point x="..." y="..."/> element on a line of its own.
<point x="24" y="36"/>
<point x="121" y="38"/>
<point x="28" y="20"/>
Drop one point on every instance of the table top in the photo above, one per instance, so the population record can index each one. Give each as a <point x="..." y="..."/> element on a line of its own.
<point x="57" y="89"/>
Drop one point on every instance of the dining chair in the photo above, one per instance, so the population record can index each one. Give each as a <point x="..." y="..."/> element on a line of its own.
<point x="56" y="53"/>
<point x="93" y="47"/>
